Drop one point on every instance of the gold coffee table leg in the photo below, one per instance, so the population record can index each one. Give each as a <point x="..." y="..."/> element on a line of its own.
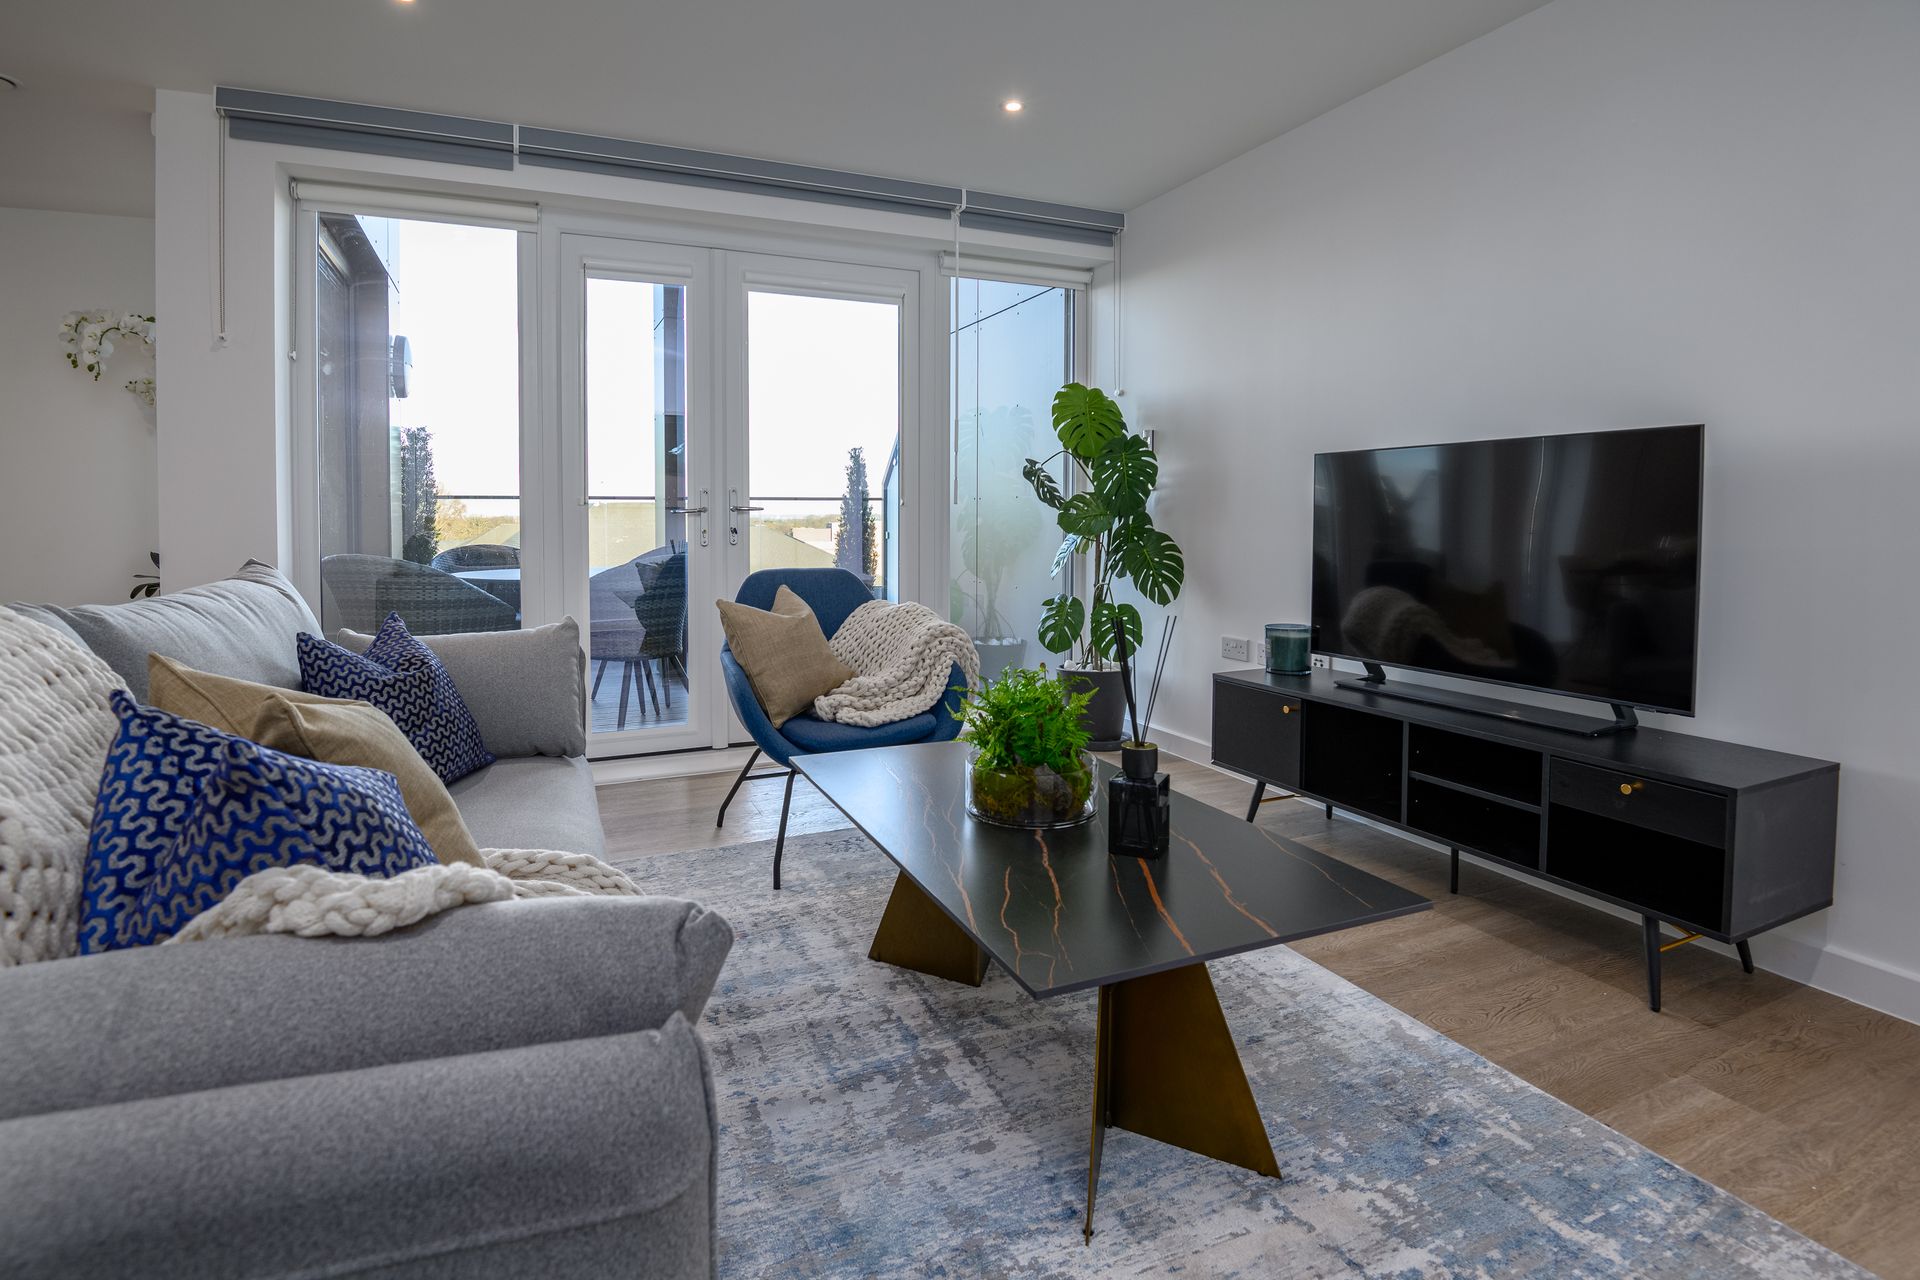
<point x="915" y="934"/>
<point x="1165" y="1067"/>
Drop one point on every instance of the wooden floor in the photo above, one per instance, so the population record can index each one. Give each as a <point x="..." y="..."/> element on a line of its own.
<point x="1798" y="1102"/>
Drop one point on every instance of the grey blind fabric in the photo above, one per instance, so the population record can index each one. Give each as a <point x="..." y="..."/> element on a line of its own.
<point x="349" y="126"/>
<point x="707" y="168"/>
<point x="346" y="126"/>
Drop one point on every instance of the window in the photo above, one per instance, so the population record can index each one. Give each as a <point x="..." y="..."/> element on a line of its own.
<point x="417" y="441"/>
<point x="1013" y="347"/>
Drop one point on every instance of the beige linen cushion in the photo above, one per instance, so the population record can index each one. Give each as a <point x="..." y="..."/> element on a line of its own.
<point x="331" y="730"/>
<point x="784" y="653"/>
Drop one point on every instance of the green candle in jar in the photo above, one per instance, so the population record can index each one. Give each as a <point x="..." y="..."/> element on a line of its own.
<point x="1289" y="648"/>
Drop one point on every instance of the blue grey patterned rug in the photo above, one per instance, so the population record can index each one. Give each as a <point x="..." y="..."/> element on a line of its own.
<point x="875" y="1122"/>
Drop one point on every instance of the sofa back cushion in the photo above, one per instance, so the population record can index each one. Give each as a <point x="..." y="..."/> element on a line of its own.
<point x="56" y="720"/>
<point x="527" y="689"/>
<point x="331" y="730"/>
<point x="243" y="626"/>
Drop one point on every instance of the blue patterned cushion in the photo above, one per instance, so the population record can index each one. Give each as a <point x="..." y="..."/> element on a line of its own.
<point x="403" y="678"/>
<point x="185" y="812"/>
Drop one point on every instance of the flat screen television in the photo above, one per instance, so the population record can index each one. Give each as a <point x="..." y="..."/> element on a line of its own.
<point x="1567" y="563"/>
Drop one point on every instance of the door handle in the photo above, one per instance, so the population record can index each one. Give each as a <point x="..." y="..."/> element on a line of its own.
<point x="746" y="508"/>
<point x="686" y="511"/>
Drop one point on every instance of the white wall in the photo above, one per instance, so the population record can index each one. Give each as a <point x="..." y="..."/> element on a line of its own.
<point x="76" y="456"/>
<point x="1607" y="213"/>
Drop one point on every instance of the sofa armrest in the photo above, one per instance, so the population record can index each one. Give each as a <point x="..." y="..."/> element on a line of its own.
<point x="153" y="1021"/>
<point x="527" y="689"/>
<point x="588" y="1147"/>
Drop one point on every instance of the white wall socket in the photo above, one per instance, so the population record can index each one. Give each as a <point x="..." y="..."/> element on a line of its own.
<point x="1321" y="662"/>
<point x="1237" y="648"/>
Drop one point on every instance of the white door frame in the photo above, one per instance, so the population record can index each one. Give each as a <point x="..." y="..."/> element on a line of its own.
<point x="746" y="273"/>
<point x="599" y="257"/>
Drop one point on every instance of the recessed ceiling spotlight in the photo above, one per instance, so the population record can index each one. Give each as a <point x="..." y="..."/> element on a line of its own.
<point x="1013" y="106"/>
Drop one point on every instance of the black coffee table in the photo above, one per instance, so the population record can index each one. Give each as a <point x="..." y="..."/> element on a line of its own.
<point x="1060" y="915"/>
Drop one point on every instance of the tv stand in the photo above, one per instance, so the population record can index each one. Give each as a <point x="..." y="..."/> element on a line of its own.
<point x="1376" y="682"/>
<point x="1716" y="839"/>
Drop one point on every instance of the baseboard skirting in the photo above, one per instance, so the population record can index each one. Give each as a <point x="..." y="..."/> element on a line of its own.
<point x="668" y="764"/>
<point x="1835" y="970"/>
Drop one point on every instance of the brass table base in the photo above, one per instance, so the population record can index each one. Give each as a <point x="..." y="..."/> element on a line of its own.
<point x="1165" y="1067"/>
<point x="915" y="934"/>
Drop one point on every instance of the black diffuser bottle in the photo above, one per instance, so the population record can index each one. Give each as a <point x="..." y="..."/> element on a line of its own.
<point x="1139" y="807"/>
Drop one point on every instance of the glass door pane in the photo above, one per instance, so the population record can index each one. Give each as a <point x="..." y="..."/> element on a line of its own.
<point x="417" y="485"/>
<point x="1012" y="349"/>
<point x="636" y="504"/>
<point x="823" y="447"/>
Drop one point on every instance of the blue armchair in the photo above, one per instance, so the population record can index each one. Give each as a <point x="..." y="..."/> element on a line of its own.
<point x="832" y="594"/>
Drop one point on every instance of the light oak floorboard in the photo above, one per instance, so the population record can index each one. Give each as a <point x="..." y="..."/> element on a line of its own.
<point x="1801" y="1103"/>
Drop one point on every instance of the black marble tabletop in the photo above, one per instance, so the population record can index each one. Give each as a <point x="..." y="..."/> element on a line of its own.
<point x="1053" y="909"/>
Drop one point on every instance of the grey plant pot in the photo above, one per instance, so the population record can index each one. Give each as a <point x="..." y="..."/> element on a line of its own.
<point x="1107" y="713"/>
<point x="997" y="655"/>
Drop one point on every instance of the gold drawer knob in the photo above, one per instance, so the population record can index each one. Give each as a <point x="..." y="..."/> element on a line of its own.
<point x="1285" y="710"/>
<point x="1628" y="788"/>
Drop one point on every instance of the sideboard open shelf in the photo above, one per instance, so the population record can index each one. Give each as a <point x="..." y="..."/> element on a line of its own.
<point x="1723" y="841"/>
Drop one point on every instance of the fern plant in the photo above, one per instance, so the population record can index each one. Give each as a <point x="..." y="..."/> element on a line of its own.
<point x="1029" y="766"/>
<point x="1026" y="719"/>
<point x="1104" y="520"/>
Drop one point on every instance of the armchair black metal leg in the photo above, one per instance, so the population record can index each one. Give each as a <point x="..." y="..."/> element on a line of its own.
<point x="1746" y="954"/>
<point x="1253" y="805"/>
<point x="780" y="841"/>
<point x="1329" y="813"/>
<point x="734" y="790"/>
<point x="1652" y="929"/>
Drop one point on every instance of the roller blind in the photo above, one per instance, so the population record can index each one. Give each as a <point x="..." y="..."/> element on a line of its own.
<point x="345" y="126"/>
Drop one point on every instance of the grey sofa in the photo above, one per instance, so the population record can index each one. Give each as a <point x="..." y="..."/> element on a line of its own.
<point x="509" y="1089"/>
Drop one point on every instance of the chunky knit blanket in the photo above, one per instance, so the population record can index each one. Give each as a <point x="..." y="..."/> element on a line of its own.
<point x="313" y="902"/>
<point x="55" y="724"/>
<point x="901" y="655"/>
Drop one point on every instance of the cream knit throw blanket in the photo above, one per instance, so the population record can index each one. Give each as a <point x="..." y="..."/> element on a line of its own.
<point x="313" y="902"/>
<point x="901" y="655"/>
<point x="55" y="724"/>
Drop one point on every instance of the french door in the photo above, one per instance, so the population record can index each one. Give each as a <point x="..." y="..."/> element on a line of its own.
<point x="720" y="412"/>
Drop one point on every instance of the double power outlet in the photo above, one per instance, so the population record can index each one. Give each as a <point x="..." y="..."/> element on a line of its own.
<point x="1240" y="649"/>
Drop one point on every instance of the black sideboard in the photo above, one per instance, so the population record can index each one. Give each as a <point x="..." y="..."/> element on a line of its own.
<point x="1722" y="840"/>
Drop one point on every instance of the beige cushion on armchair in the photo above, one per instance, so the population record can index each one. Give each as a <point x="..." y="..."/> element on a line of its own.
<point x="784" y="653"/>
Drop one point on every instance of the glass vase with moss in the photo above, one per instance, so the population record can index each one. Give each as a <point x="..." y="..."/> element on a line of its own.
<point x="1028" y="765"/>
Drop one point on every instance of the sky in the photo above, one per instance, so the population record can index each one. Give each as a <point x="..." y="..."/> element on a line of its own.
<point x="823" y="373"/>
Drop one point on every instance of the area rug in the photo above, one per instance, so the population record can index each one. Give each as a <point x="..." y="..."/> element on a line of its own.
<point x="875" y="1122"/>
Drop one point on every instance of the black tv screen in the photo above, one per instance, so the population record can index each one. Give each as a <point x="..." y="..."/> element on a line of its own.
<point x="1566" y="563"/>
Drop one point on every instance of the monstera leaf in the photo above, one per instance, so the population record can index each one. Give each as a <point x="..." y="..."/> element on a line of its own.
<point x="1064" y="554"/>
<point x="1086" y="419"/>
<point x="1150" y="559"/>
<point x="1124" y="474"/>
<point x="1105" y="615"/>
<point x="1045" y="487"/>
<point x="1086" y="515"/>
<point x="1061" y="618"/>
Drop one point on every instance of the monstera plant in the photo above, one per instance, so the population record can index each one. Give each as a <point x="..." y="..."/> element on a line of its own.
<point x="1105" y="522"/>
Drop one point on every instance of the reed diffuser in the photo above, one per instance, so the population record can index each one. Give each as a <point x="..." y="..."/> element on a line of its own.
<point x="1139" y="802"/>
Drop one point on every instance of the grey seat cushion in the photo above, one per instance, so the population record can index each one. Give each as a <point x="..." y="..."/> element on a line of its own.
<point x="527" y="689"/>
<point x="388" y="1166"/>
<point x="242" y="627"/>
<point x="533" y="802"/>
<point x="191" y="1017"/>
